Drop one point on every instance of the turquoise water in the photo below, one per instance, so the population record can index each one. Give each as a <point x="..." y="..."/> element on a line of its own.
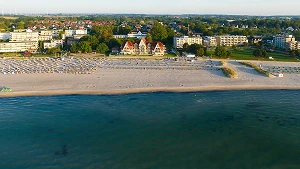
<point x="207" y="130"/>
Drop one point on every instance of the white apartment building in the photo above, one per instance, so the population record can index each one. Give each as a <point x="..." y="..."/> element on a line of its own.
<point x="45" y="35"/>
<point x="282" y="40"/>
<point x="24" y="36"/>
<point x="70" y="33"/>
<point x="209" y="41"/>
<point x="4" y="36"/>
<point x="231" y="40"/>
<point x="120" y="36"/>
<point x="179" y="41"/>
<point x="53" y="44"/>
<point x="138" y="35"/>
<point x="21" y="41"/>
<point x="18" y="47"/>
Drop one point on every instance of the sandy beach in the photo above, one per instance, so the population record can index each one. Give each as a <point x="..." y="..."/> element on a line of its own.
<point x="119" y="77"/>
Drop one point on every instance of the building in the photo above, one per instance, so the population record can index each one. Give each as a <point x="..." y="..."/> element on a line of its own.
<point x="53" y="44"/>
<point x="18" y="47"/>
<point x="209" y="41"/>
<point x="142" y="47"/>
<point x="284" y="41"/>
<point x="21" y="41"/>
<point x="293" y="45"/>
<point x="255" y="39"/>
<point x="45" y="35"/>
<point x="71" y="33"/>
<point x="4" y="36"/>
<point x="138" y="35"/>
<point x="120" y="36"/>
<point x="231" y="40"/>
<point x="179" y="41"/>
<point x="27" y="36"/>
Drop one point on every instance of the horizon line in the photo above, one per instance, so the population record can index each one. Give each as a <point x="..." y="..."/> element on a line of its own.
<point x="158" y="14"/>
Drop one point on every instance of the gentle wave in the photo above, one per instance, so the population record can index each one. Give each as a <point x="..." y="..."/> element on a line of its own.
<point x="219" y="129"/>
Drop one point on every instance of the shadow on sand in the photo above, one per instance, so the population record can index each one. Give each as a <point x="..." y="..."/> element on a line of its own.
<point x="245" y="69"/>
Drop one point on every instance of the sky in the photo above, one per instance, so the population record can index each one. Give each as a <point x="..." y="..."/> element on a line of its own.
<point x="232" y="7"/>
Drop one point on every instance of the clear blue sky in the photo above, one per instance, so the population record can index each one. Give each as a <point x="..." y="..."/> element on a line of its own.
<point x="247" y="7"/>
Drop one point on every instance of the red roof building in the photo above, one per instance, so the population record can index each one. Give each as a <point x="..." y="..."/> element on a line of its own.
<point x="142" y="47"/>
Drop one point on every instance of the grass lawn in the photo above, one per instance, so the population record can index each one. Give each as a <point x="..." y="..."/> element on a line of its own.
<point x="247" y="54"/>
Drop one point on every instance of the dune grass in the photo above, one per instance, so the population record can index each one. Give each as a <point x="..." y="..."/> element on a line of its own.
<point x="229" y="72"/>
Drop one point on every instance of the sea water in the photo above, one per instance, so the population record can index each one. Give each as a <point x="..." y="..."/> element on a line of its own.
<point x="203" y="130"/>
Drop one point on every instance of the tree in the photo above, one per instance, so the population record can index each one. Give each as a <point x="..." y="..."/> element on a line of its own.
<point x="73" y="48"/>
<point x="228" y="53"/>
<point x="293" y="54"/>
<point x="102" y="32"/>
<point x="115" y="43"/>
<point x="84" y="47"/>
<point x="158" y="32"/>
<point x="200" y="52"/>
<point x="257" y="53"/>
<point x="221" y="51"/>
<point x="20" y="25"/>
<point x="91" y="39"/>
<point x="60" y="34"/>
<point x="41" y="46"/>
<point x="102" y="48"/>
<point x="149" y="37"/>
<point x="260" y="53"/>
<point x="185" y="47"/>
<point x="264" y="53"/>
<point x="234" y="47"/>
<point x="54" y="50"/>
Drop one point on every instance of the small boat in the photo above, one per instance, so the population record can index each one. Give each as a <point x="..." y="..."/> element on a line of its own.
<point x="5" y="89"/>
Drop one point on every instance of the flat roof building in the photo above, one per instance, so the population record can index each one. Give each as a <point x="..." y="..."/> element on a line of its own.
<point x="284" y="41"/>
<point x="18" y="47"/>
<point x="179" y="41"/>
<point x="23" y="36"/>
<point x="209" y="41"/>
<point x="231" y="40"/>
<point x="53" y="44"/>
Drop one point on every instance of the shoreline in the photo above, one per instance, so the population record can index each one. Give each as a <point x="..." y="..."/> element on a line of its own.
<point x="143" y="90"/>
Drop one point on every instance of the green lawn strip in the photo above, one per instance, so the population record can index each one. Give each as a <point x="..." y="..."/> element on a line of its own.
<point x="247" y="54"/>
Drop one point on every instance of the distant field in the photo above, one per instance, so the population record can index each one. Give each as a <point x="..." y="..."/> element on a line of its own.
<point x="9" y="17"/>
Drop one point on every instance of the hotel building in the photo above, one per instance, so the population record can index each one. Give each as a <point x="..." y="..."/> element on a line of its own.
<point x="285" y="41"/>
<point x="231" y="40"/>
<point x="18" y="47"/>
<point x="179" y="41"/>
<point x="53" y="44"/>
<point x="209" y="41"/>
